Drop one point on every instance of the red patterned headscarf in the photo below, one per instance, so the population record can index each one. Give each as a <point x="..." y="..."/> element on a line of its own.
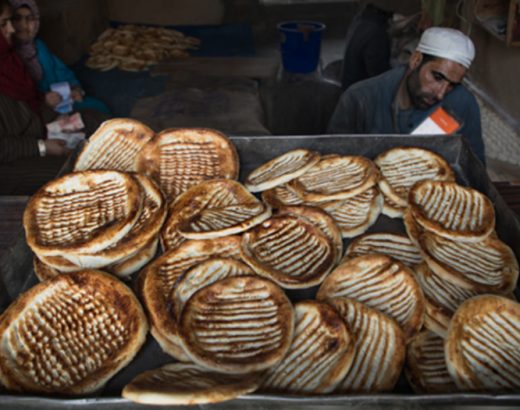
<point x="15" y="80"/>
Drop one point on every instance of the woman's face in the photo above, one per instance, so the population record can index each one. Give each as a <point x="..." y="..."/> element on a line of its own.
<point x="24" y="22"/>
<point x="5" y="25"/>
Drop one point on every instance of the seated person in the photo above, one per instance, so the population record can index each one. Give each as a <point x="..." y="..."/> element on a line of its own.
<point x="367" y="48"/>
<point x="45" y="67"/>
<point x="27" y="158"/>
<point x="397" y="101"/>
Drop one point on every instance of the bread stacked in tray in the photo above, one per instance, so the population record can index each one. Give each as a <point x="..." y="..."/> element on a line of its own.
<point x="466" y="341"/>
<point x="224" y="297"/>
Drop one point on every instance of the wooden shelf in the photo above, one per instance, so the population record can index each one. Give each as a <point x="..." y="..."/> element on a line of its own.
<point x="501" y="18"/>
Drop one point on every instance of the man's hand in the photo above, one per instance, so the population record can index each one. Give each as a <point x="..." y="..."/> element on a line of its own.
<point x="56" y="147"/>
<point x="77" y="94"/>
<point x="52" y="99"/>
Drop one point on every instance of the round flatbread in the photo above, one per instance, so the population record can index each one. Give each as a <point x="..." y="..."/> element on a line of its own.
<point x="181" y="158"/>
<point x="188" y="384"/>
<point x="281" y="170"/>
<point x="483" y="345"/>
<point x="320" y="354"/>
<point x="237" y="325"/>
<point x="382" y="283"/>
<point x="114" y="145"/>
<point x="452" y="211"/>
<point x="290" y="251"/>
<point x="69" y="335"/>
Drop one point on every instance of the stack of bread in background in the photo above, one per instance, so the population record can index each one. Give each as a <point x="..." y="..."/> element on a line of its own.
<point x="217" y="296"/>
<point x="135" y="48"/>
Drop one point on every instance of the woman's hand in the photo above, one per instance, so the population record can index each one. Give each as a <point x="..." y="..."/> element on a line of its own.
<point x="77" y="94"/>
<point x="52" y="99"/>
<point x="56" y="147"/>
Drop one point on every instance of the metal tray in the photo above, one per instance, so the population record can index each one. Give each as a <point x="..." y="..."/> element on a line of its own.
<point x="16" y="276"/>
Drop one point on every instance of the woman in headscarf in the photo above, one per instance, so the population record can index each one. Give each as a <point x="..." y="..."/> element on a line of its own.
<point x="45" y="67"/>
<point x="27" y="158"/>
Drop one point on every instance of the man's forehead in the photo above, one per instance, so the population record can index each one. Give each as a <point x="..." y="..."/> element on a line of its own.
<point x="452" y="71"/>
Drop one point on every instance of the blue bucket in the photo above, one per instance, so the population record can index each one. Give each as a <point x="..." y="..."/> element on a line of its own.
<point x="300" y="45"/>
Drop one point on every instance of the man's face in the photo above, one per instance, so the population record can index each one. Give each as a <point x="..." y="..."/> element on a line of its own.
<point x="6" y="26"/>
<point x="429" y="83"/>
<point x="24" y="22"/>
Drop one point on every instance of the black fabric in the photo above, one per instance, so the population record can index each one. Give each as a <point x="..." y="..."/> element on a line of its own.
<point x="20" y="128"/>
<point x="367" y="48"/>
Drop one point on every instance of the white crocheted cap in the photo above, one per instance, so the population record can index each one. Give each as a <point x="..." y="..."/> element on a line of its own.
<point x="447" y="43"/>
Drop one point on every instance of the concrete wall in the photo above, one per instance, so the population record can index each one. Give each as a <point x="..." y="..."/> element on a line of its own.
<point x="70" y="26"/>
<point x="496" y="67"/>
<point x="167" y="12"/>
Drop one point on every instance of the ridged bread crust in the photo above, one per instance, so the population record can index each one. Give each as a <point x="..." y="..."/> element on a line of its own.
<point x="212" y="209"/>
<point x="382" y="283"/>
<point x="442" y="299"/>
<point x="290" y="251"/>
<point x="82" y="212"/>
<point x="336" y="177"/>
<point x="426" y="369"/>
<point x="237" y="325"/>
<point x="187" y="384"/>
<point x="157" y="280"/>
<point x="379" y="351"/>
<point x="452" y="211"/>
<point x="70" y="334"/>
<point x="320" y="355"/>
<point x="281" y="170"/>
<point x="395" y="245"/>
<point x="488" y="266"/>
<point x="114" y="145"/>
<point x="483" y="345"/>
<point x="204" y="274"/>
<point x="322" y="220"/>
<point x="179" y="158"/>
<point x="402" y="167"/>
<point x="356" y="214"/>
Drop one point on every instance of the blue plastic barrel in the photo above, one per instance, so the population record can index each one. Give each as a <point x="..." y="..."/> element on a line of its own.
<point x="300" y="45"/>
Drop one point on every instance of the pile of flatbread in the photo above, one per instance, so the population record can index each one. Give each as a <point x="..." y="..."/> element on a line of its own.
<point x="94" y="219"/>
<point x="217" y="296"/>
<point x="136" y="48"/>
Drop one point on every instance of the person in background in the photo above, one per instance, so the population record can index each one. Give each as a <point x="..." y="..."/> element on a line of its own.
<point x="368" y="46"/>
<point x="45" y="67"/>
<point x="27" y="158"/>
<point x="397" y="101"/>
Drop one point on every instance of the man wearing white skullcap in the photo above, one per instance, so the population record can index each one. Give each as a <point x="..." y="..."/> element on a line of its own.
<point x="397" y="101"/>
